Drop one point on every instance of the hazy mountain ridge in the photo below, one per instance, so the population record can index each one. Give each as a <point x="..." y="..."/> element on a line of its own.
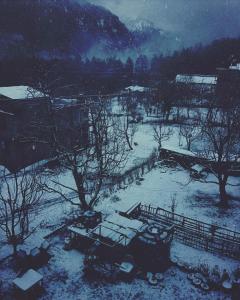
<point x="151" y="40"/>
<point x="64" y="29"/>
<point x="195" y="21"/>
<point x="59" y="28"/>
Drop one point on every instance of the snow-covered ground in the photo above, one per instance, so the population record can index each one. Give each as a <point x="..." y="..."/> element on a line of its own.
<point x="63" y="278"/>
<point x="63" y="274"/>
<point x="194" y="199"/>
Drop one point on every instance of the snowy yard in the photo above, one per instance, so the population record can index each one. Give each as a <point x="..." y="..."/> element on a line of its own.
<point x="63" y="276"/>
<point x="120" y="150"/>
<point x="64" y="279"/>
<point x="195" y="200"/>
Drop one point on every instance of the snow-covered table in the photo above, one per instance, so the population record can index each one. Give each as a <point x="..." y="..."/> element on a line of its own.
<point x="28" y="280"/>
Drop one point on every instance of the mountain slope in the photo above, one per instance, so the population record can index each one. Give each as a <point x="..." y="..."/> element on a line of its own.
<point x="59" y="28"/>
<point x="152" y="40"/>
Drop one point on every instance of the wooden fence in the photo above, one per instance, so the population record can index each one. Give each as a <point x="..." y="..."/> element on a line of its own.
<point x="194" y="233"/>
<point x="133" y="173"/>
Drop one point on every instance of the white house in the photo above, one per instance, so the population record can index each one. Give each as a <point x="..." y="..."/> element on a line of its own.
<point x="136" y="88"/>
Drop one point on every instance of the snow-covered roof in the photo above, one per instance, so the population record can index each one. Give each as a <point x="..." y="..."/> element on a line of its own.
<point x="6" y="113"/>
<point x="35" y="252"/>
<point x="198" y="168"/>
<point x="179" y="150"/>
<point x="20" y="92"/>
<point x="135" y="88"/>
<point x="124" y="222"/>
<point x="197" y="79"/>
<point x="129" y="208"/>
<point x="28" y="280"/>
<point x="78" y="230"/>
<point x="119" y="229"/>
<point x="235" y="67"/>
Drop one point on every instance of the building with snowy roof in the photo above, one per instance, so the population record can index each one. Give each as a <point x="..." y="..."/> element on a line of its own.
<point x="199" y="82"/>
<point x="27" y="117"/>
<point x="229" y="83"/>
<point x="21" y="92"/>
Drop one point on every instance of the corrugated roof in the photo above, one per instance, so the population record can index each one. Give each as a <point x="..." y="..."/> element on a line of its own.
<point x="119" y="229"/>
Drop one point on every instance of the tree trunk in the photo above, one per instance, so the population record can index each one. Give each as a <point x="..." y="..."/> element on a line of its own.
<point x="12" y="240"/>
<point x="167" y="116"/>
<point x="178" y="113"/>
<point x="81" y="192"/>
<point x="223" y="193"/>
<point x="128" y="142"/>
<point x="14" y="245"/>
<point x="95" y="197"/>
<point x="159" y="150"/>
<point x="188" y="112"/>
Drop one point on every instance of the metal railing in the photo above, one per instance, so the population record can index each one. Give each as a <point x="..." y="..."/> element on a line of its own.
<point x="192" y="232"/>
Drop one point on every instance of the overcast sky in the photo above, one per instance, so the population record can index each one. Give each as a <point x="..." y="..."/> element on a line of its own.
<point x="203" y="20"/>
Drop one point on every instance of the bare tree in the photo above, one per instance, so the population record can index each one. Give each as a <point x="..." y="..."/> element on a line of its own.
<point x="161" y="133"/>
<point x="190" y="133"/>
<point x="220" y="134"/>
<point x="20" y="194"/>
<point x="89" y="148"/>
<point x="129" y="106"/>
<point x="129" y="130"/>
<point x="93" y="164"/>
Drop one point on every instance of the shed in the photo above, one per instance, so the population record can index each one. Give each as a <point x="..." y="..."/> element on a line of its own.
<point x="117" y="230"/>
